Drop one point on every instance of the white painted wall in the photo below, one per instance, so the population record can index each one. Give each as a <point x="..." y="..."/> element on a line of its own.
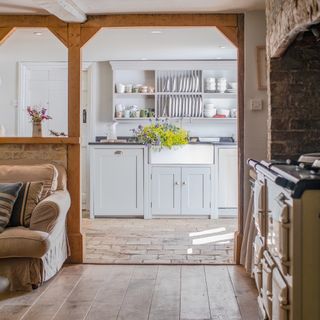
<point x="255" y="126"/>
<point x="23" y="45"/>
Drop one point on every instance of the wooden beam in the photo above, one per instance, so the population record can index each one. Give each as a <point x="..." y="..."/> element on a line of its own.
<point x="87" y="34"/>
<point x="5" y="33"/>
<point x="162" y="20"/>
<point x="74" y="181"/>
<point x="231" y="33"/>
<point x="66" y="10"/>
<point x="32" y="21"/>
<point x="240" y="135"/>
<point x="61" y="33"/>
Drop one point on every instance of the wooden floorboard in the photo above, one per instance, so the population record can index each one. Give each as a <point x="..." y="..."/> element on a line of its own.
<point x="221" y="294"/>
<point x="13" y="312"/>
<point x="166" y="297"/>
<point x="108" y="301"/>
<point x="137" y="301"/>
<point x="245" y="291"/>
<point x="194" y="297"/>
<point x="138" y="292"/>
<point x="49" y="303"/>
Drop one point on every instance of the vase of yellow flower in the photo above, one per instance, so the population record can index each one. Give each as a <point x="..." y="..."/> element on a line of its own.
<point x="161" y="134"/>
<point x="37" y="116"/>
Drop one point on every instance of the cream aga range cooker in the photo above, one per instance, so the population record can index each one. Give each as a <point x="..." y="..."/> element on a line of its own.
<point x="287" y="245"/>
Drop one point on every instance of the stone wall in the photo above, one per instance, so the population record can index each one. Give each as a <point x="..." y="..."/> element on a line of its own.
<point x="294" y="113"/>
<point x="53" y="153"/>
<point x="294" y="69"/>
<point x="286" y="19"/>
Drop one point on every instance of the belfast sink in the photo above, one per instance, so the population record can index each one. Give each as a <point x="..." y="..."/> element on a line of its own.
<point x="186" y="154"/>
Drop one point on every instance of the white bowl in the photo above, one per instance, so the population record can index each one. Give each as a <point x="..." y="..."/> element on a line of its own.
<point x="224" y="112"/>
<point x="209" y="106"/>
<point x="210" y="113"/>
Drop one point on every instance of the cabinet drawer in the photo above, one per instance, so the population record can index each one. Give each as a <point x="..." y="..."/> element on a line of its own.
<point x="117" y="182"/>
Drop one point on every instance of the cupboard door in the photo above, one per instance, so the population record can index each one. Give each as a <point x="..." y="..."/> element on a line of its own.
<point x="227" y="178"/>
<point x="196" y="191"/>
<point x="118" y="182"/>
<point x="166" y="190"/>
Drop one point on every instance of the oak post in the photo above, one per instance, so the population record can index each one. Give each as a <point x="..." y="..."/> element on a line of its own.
<point x="241" y="163"/>
<point x="74" y="181"/>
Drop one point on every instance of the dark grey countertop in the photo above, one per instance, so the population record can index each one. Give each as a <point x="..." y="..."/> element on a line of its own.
<point x="134" y="143"/>
<point x="141" y="144"/>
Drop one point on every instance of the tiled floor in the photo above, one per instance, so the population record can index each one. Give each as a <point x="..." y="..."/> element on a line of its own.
<point x="159" y="241"/>
<point x="100" y="292"/>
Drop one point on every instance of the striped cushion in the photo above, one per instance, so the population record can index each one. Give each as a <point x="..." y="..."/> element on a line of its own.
<point x="29" y="197"/>
<point x="8" y="195"/>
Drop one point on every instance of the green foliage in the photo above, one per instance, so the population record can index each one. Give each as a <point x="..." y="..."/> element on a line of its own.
<point x="161" y="134"/>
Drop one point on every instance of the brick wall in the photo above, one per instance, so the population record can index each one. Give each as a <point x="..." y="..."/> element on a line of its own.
<point x="294" y="113"/>
<point x="55" y="153"/>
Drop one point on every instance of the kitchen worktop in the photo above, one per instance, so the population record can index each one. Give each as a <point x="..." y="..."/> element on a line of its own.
<point x="141" y="144"/>
<point x="135" y="143"/>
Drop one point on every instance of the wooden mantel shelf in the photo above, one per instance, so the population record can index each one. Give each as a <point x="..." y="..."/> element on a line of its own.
<point x="45" y="140"/>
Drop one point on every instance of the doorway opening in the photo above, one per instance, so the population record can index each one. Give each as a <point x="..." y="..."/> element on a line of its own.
<point x="169" y="206"/>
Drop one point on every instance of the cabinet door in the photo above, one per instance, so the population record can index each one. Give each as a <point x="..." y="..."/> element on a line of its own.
<point x="166" y="190"/>
<point x="118" y="182"/>
<point x="227" y="192"/>
<point x="196" y="191"/>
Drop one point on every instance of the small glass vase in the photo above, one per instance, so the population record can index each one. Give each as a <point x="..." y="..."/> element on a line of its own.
<point x="36" y="129"/>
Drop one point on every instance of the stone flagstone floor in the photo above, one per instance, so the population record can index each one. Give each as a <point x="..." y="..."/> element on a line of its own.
<point x="159" y="241"/>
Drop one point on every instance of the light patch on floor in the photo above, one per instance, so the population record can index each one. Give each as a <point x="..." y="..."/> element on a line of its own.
<point x="159" y="241"/>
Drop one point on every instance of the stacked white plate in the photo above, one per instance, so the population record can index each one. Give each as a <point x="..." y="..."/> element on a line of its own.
<point x="209" y="110"/>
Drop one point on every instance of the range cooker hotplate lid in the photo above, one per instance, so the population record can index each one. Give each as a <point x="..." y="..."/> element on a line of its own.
<point x="309" y="158"/>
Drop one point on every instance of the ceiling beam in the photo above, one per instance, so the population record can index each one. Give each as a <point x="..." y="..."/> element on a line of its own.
<point x="66" y="10"/>
<point x="162" y="20"/>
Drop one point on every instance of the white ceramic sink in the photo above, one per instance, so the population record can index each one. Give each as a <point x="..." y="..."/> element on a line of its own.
<point x="186" y="154"/>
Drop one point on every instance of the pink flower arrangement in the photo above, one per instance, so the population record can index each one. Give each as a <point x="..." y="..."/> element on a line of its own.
<point x="37" y="114"/>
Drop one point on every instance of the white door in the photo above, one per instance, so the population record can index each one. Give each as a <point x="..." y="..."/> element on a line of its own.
<point x="196" y="191"/>
<point x="44" y="85"/>
<point x="227" y="193"/>
<point x="166" y="190"/>
<point x="117" y="182"/>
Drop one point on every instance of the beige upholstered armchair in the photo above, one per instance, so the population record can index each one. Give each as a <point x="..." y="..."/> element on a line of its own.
<point x="30" y="256"/>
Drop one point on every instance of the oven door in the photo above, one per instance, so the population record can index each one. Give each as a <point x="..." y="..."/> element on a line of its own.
<point x="280" y="303"/>
<point x="258" y="247"/>
<point x="266" y="291"/>
<point x="259" y="211"/>
<point x="279" y="231"/>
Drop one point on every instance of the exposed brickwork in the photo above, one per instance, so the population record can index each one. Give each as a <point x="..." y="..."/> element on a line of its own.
<point x="56" y="153"/>
<point x="294" y="111"/>
<point x="287" y="18"/>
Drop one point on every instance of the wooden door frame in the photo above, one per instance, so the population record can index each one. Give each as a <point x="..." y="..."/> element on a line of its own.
<point x="74" y="36"/>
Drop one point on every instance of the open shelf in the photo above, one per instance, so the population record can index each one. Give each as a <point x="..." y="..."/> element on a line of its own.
<point x="130" y="95"/>
<point x="178" y="90"/>
<point x="133" y="119"/>
<point x="216" y="95"/>
<point x="44" y="140"/>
